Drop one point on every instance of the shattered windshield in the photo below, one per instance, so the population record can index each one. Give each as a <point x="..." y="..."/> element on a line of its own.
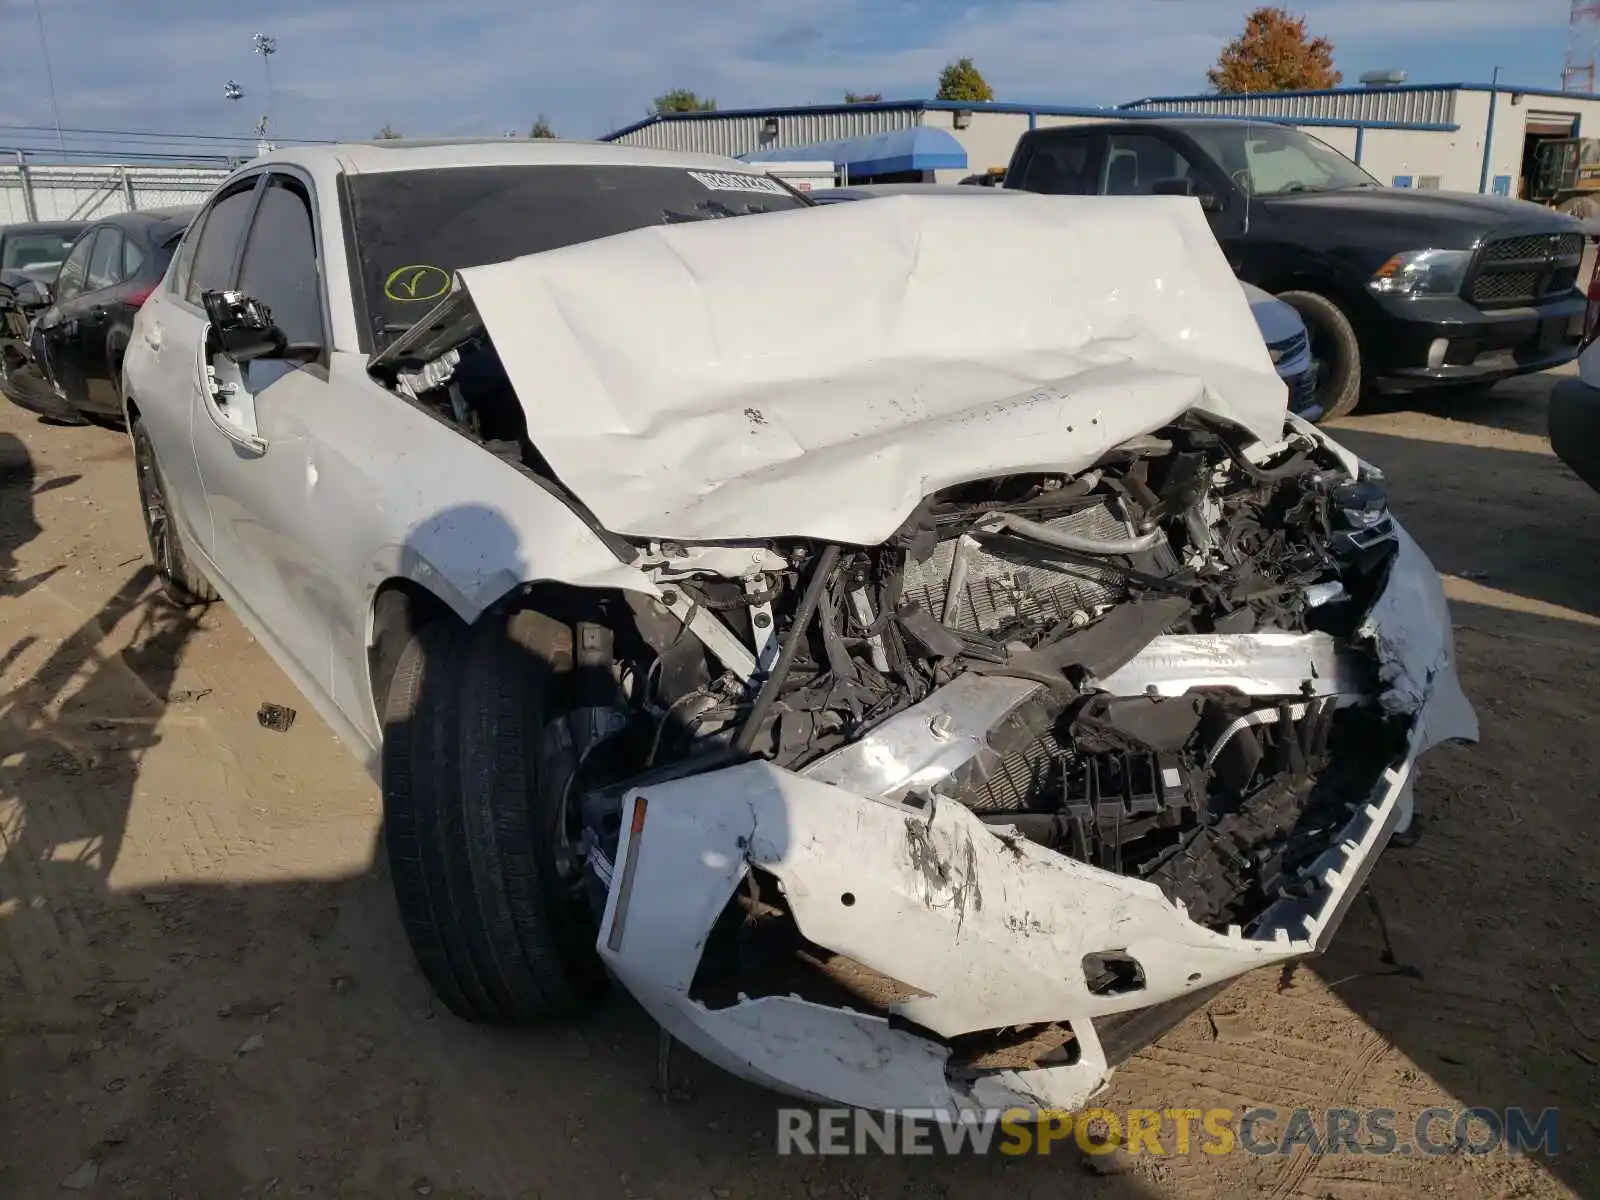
<point x="414" y="229"/>
<point x="1270" y="160"/>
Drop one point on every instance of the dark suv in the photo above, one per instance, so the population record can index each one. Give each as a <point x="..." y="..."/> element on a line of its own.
<point x="1399" y="289"/>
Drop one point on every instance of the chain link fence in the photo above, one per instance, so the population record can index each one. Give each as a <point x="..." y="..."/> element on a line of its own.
<point x="89" y="192"/>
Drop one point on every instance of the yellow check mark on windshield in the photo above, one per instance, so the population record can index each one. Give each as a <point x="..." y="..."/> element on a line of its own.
<point x="416" y="281"/>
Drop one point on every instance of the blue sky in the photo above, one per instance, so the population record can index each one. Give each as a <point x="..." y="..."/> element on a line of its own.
<point x="446" y="67"/>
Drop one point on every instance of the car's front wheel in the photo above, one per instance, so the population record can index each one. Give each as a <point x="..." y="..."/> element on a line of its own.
<point x="477" y="820"/>
<point x="182" y="584"/>
<point x="1335" y="350"/>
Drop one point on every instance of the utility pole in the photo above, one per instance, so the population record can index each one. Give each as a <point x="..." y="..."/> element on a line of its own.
<point x="50" y="79"/>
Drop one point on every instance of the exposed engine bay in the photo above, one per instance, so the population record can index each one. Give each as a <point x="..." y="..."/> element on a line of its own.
<point x="1176" y="553"/>
<point x="1217" y="794"/>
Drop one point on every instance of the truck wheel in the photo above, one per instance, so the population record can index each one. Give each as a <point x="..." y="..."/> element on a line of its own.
<point x="1335" y="350"/>
<point x="183" y="585"/>
<point x="474" y="803"/>
<point x="1583" y="207"/>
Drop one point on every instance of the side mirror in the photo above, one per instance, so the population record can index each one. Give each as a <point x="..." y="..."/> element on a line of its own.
<point x="243" y="326"/>
<point x="33" y="294"/>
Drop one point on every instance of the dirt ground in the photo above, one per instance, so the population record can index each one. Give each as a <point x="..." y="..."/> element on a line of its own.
<point x="204" y="991"/>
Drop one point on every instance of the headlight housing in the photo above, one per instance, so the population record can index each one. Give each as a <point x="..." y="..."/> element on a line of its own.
<point x="1415" y="273"/>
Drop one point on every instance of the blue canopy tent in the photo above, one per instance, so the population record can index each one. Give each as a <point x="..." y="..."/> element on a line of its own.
<point x="897" y="152"/>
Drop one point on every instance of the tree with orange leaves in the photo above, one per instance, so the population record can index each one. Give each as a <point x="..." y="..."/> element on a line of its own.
<point x="1274" y="54"/>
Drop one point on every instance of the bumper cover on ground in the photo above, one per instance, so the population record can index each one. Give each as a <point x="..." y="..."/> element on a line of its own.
<point x="986" y="930"/>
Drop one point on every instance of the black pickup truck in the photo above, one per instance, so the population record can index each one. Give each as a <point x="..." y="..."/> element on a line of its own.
<point x="1400" y="289"/>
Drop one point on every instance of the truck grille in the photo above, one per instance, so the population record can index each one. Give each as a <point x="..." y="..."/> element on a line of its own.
<point x="1526" y="269"/>
<point x="1533" y="245"/>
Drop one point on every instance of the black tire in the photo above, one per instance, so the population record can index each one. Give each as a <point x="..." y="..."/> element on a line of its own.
<point x="181" y="583"/>
<point x="473" y="811"/>
<point x="1334" y="347"/>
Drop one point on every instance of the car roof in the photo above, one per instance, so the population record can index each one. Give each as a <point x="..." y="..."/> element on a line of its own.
<point x="45" y="227"/>
<point x="154" y="223"/>
<point x="425" y="154"/>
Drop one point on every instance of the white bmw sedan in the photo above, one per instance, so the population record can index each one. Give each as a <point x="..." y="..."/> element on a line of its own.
<point x="908" y="645"/>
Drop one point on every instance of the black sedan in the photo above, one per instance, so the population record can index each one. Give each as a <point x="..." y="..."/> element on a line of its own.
<point x="77" y="342"/>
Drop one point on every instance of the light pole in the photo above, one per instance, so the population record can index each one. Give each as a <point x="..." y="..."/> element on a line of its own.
<point x="266" y="47"/>
<point x="232" y="93"/>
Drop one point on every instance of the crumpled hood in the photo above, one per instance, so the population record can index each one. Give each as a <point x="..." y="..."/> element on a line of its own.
<point x="817" y="373"/>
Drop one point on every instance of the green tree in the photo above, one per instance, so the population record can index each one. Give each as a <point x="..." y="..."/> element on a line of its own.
<point x="681" y="100"/>
<point x="961" y="81"/>
<point x="388" y="133"/>
<point x="863" y="97"/>
<point x="541" y="128"/>
<point x="1274" y="54"/>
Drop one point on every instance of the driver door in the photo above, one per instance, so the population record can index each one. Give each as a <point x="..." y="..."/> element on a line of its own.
<point x="250" y="430"/>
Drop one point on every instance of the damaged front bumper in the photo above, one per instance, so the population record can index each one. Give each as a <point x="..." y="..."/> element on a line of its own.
<point x="958" y="928"/>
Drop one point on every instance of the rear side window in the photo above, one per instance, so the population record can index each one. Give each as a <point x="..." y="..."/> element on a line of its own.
<point x="280" y="261"/>
<point x="1060" y="167"/>
<point x="218" y="244"/>
<point x="69" y="282"/>
<point x="1137" y="162"/>
<point x="132" y="258"/>
<point x="105" y="260"/>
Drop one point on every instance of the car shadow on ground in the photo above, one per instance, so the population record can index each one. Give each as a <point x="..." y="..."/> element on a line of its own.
<point x="1514" y="405"/>
<point x="18" y="526"/>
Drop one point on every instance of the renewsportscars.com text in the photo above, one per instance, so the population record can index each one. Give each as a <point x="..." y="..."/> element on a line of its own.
<point x="1177" y="1131"/>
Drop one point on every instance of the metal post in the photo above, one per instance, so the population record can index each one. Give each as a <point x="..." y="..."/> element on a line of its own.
<point x="28" y="206"/>
<point x="127" y="189"/>
<point x="1488" y="131"/>
<point x="1360" y="132"/>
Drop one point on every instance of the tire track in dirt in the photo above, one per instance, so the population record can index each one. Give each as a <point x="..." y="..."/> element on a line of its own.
<point x="1369" y="1050"/>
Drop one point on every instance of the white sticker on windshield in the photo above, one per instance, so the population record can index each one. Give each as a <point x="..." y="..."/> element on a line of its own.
<point x="729" y="181"/>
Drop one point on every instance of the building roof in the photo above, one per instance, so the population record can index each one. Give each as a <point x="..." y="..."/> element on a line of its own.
<point x="796" y="110"/>
<point x="1367" y="91"/>
<point x="1338" y="107"/>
